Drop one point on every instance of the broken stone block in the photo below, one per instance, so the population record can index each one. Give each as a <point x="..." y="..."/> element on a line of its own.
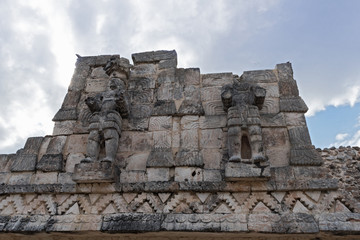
<point x="164" y="108"/>
<point x="65" y="114"/>
<point x="259" y="76"/>
<point x="51" y="163"/>
<point x="189" y="107"/>
<point x="137" y="162"/>
<point x="89" y="172"/>
<point x="56" y="145"/>
<point x="153" y="56"/>
<point x="132" y="222"/>
<point x="64" y="127"/>
<point x="285" y="71"/>
<point x="216" y="79"/>
<point x="212" y="175"/>
<point x="96" y="85"/>
<point x="288" y="89"/>
<point x="236" y="171"/>
<point x="132" y="176"/>
<point x="24" y="162"/>
<point x="72" y="160"/>
<point x="171" y="63"/>
<point x="188" y="76"/>
<point x="292" y="104"/>
<point x="158" y="174"/>
<point x="5" y="162"/>
<point x="188" y="174"/>
<point x="190" y="158"/>
<point x="160" y="157"/>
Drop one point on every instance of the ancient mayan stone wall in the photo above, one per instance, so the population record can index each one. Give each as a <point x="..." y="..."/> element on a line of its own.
<point x="173" y="169"/>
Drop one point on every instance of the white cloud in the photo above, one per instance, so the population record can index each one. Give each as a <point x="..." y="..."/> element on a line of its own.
<point x="341" y="136"/>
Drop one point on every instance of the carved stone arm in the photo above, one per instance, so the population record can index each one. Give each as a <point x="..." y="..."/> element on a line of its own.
<point x="259" y="93"/>
<point x="226" y="96"/>
<point x="93" y="103"/>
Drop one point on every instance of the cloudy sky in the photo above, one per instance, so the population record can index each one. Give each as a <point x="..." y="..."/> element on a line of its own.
<point x="321" y="38"/>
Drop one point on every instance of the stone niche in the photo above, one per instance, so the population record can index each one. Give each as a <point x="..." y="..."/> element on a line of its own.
<point x="148" y="147"/>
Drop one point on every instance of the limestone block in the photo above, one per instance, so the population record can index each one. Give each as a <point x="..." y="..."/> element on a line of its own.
<point x="137" y="161"/>
<point x="165" y="92"/>
<point x="215" y="121"/>
<point x="20" y="178"/>
<point x="212" y="175"/>
<point x="45" y="178"/>
<point x="284" y="71"/>
<point x="153" y="56"/>
<point x="164" y="108"/>
<point x="296" y="223"/>
<point x="277" y="146"/>
<point x="141" y="141"/>
<point x="138" y="124"/>
<point x="270" y="106"/>
<point x="160" y="157"/>
<point x="78" y="79"/>
<point x="28" y="224"/>
<point x="295" y="119"/>
<point x="212" y="158"/>
<point x="214" y="108"/>
<point x="293" y="104"/>
<point x="63" y="127"/>
<point x="189" y="122"/>
<point x="190" y="107"/>
<point x="211" y="138"/>
<point x="190" y="158"/>
<point x="96" y="85"/>
<point x="142" y="70"/>
<point x="162" y="139"/>
<point x="306" y="156"/>
<point x="141" y="96"/>
<point x="132" y="222"/>
<point x="288" y="88"/>
<point x="189" y="139"/>
<point x="76" y="143"/>
<point x="188" y="76"/>
<point x="263" y="222"/>
<point x="201" y="222"/>
<point x="216" y="79"/>
<point x="140" y="111"/>
<point x="272" y="89"/>
<point x="51" y="163"/>
<point x="73" y="223"/>
<point x="65" y="178"/>
<point x="56" y="145"/>
<point x="98" y="72"/>
<point x="4" y="163"/>
<point x="188" y="174"/>
<point x="163" y="64"/>
<point x="72" y="160"/>
<point x="236" y="171"/>
<point x="66" y="114"/>
<point x="89" y="172"/>
<point x="158" y="174"/>
<point x="160" y="123"/>
<point x="32" y="145"/>
<point x="259" y="76"/>
<point x="211" y="94"/>
<point x="24" y="162"/>
<point x="132" y="176"/>
<point x="299" y="137"/>
<point x="339" y="222"/>
<point x="142" y="83"/>
<point x="273" y="120"/>
<point x="125" y="141"/>
<point x="175" y="139"/>
<point x="166" y="76"/>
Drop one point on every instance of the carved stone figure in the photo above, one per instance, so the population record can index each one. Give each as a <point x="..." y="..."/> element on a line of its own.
<point x="242" y="102"/>
<point x="107" y="109"/>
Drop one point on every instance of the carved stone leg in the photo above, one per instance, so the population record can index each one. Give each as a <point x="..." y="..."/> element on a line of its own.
<point x="256" y="144"/>
<point x="93" y="146"/>
<point x="234" y="143"/>
<point x="111" y="144"/>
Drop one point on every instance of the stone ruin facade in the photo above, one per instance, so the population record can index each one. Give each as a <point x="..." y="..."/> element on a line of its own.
<point x="161" y="151"/>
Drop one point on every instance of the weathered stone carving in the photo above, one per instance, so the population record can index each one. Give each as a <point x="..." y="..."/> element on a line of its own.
<point x="242" y="102"/>
<point x="107" y="109"/>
